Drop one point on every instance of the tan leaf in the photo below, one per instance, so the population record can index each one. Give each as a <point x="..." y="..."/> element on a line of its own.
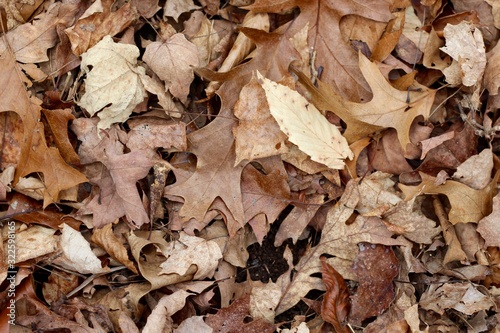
<point x="113" y="86"/>
<point x="106" y="239"/>
<point x="305" y="126"/>
<point x="467" y="204"/>
<point x="389" y="108"/>
<point x="489" y="226"/>
<point x="188" y="251"/>
<point x="166" y="307"/>
<point x="174" y="8"/>
<point x="464" y="43"/>
<point x="173" y="62"/>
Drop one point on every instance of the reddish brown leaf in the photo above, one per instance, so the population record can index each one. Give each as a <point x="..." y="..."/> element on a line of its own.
<point x="336" y="303"/>
<point x="375" y="266"/>
<point x="233" y="319"/>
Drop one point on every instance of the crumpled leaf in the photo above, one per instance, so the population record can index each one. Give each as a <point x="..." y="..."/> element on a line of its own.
<point x="464" y="43"/>
<point x="191" y="250"/>
<point x="336" y="303"/>
<point x="305" y="126"/>
<point x="113" y="86"/>
<point x="167" y="306"/>
<point x="174" y="8"/>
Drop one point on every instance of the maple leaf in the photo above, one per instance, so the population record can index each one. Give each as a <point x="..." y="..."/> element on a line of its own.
<point x="333" y="52"/>
<point x="113" y="86"/>
<point x="389" y="107"/>
<point x="36" y="156"/>
<point x="173" y="61"/>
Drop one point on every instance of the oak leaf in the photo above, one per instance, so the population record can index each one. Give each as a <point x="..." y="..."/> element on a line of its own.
<point x="389" y="107"/>
<point x="215" y="175"/>
<point x="333" y="52"/>
<point x="305" y="126"/>
<point x="113" y="86"/>
<point x="467" y="204"/>
<point x="35" y="155"/>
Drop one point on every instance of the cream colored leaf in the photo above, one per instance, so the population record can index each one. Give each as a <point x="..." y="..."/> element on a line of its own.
<point x="113" y="86"/>
<point x="464" y="43"/>
<point x="305" y="126"/>
<point x="77" y="251"/>
<point x="191" y="250"/>
<point x="158" y="320"/>
<point x="34" y="242"/>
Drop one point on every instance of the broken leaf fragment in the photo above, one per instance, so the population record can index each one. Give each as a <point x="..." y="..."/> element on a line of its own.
<point x="305" y="126"/>
<point x="113" y="86"/>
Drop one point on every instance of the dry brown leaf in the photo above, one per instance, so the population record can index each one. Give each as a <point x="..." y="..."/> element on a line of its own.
<point x="257" y="134"/>
<point x="98" y="21"/>
<point x="336" y="303"/>
<point x="333" y="52"/>
<point x="491" y="73"/>
<point x="467" y="204"/>
<point x="173" y="61"/>
<point x="338" y="239"/>
<point x="375" y="266"/>
<point x="215" y="175"/>
<point x="175" y="8"/>
<point x="189" y="251"/>
<point x="160" y="318"/>
<point x="234" y="319"/>
<point x="106" y="239"/>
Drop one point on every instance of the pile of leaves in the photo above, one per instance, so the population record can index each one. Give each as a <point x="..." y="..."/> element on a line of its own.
<point x="250" y="166"/>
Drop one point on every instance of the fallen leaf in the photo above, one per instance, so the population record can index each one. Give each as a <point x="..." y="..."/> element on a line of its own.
<point x="98" y="21"/>
<point x="113" y="86"/>
<point x="336" y="303"/>
<point x="464" y="43"/>
<point x="489" y="227"/>
<point x="467" y="204"/>
<point x="166" y="307"/>
<point x="174" y="8"/>
<point x="305" y="126"/>
<point x="333" y="52"/>
<point x="234" y="319"/>
<point x="188" y="251"/>
<point x="78" y="255"/>
<point x="173" y="61"/>
<point x="375" y="266"/>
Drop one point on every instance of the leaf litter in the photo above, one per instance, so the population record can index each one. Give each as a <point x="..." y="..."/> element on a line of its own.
<point x="262" y="166"/>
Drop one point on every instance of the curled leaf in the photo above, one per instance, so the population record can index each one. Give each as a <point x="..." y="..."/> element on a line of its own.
<point x="336" y="303"/>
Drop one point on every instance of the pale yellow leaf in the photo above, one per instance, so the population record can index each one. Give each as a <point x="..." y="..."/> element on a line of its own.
<point x="305" y="126"/>
<point x="113" y="86"/>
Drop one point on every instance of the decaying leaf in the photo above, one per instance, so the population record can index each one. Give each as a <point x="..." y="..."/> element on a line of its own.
<point x="305" y="126"/>
<point x="336" y="303"/>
